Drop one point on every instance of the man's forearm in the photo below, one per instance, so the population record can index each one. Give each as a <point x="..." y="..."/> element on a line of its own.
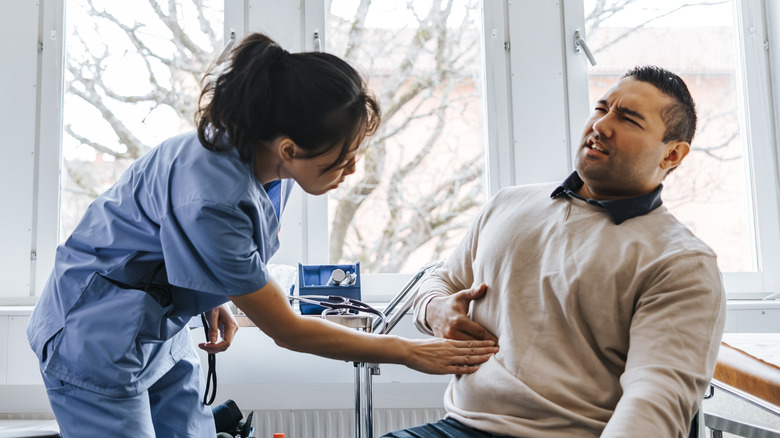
<point x="420" y="310"/>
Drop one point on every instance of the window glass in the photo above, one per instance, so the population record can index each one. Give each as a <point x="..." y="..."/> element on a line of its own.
<point x="420" y="183"/>
<point x="132" y="79"/>
<point x="710" y="192"/>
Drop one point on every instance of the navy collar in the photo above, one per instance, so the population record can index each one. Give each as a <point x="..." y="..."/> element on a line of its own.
<point x="620" y="210"/>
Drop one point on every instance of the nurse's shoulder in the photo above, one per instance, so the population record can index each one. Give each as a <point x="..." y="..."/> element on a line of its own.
<point x="183" y="171"/>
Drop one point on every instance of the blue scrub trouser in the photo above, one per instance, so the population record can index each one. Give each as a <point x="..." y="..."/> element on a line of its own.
<point x="172" y="407"/>
<point x="447" y="428"/>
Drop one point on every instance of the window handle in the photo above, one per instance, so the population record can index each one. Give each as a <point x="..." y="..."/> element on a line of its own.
<point x="227" y="48"/>
<point x="580" y="44"/>
<point x="317" y="42"/>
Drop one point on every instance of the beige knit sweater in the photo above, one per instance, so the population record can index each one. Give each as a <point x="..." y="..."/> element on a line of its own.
<point x="603" y="329"/>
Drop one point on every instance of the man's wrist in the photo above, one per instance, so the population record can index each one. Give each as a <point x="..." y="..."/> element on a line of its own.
<point x="425" y="312"/>
<point x="426" y="305"/>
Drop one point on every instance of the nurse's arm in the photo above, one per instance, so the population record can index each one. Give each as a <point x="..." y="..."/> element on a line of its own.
<point x="270" y="311"/>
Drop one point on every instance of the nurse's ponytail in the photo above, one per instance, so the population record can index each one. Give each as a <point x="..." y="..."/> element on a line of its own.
<point x="263" y="91"/>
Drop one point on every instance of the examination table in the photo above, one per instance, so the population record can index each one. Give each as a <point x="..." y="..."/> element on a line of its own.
<point x="748" y="375"/>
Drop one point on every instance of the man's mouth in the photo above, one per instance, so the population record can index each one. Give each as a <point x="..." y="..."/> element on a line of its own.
<point x="593" y="145"/>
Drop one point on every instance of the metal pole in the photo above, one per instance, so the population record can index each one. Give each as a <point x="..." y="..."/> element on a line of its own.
<point x="364" y="427"/>
<point x="358" y="404"/>
<point x="368" y="404"/>
<point x="364" y="372"/>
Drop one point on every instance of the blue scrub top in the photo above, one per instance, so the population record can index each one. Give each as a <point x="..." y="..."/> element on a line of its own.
<point x="199" y="220"/>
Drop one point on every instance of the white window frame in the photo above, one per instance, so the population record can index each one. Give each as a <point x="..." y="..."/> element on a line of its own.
<point x="759" y="128"/>
<point x="305" y="229"/>
<point x="761" y="115"/>
<point x="529" y="59"/>
<point x="32" y="107"/>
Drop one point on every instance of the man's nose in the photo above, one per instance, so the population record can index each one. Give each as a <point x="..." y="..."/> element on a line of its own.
<point x="603" y="126"/>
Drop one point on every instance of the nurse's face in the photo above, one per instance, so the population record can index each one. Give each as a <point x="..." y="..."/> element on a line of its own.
<point x="311" y="174"/>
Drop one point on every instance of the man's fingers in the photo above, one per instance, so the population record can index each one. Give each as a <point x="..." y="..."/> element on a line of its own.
<point x="474" y="293"/>
<point x="462" y="328"/>
<point x="480" y="291"/>
<point x="452" y="332"/>
<point x="471" y="330"/>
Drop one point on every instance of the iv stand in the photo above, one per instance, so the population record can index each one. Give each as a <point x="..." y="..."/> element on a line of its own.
<point x="364" y="372"/>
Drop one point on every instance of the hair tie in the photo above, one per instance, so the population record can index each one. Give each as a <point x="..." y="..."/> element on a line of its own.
<point x="280" y="57"/>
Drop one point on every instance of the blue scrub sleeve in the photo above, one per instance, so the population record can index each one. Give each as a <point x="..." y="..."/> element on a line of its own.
<point x="212" y="248"/>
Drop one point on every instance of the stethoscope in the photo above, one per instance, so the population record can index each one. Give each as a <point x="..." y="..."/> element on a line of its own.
<point x="338" y="305"/>
<point x="333" y="304"/>
<point x="162" y="295"/>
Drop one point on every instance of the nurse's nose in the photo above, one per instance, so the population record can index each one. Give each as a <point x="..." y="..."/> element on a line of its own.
<point x="351" y="166"/>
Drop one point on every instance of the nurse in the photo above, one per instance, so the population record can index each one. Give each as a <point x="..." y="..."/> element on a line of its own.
<point x="190" y="226"/>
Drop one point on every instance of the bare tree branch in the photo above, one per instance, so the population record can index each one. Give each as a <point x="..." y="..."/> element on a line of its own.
<point x="602" y="12"/>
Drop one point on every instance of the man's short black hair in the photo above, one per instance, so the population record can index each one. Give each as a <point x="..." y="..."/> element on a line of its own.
<point x="680" y="117"/>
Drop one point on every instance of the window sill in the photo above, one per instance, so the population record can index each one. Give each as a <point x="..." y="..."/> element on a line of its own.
<point x="16" y="310"/>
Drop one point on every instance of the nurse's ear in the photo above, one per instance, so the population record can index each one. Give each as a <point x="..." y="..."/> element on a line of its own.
<point x="288" y="150"/>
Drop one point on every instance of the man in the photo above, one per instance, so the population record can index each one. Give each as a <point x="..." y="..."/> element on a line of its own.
<point x="608" y="311"/>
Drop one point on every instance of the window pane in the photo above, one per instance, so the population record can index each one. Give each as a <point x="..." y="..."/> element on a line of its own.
<point x="132" y="80"/>
<point x="710" y="192"/>
<point x="419" y="184"/>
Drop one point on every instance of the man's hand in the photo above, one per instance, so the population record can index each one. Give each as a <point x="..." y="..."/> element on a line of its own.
<point x="223" y="324"/>
<point x="448" y="316"/>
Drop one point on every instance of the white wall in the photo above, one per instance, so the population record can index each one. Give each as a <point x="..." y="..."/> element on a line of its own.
<point x="254" y="372"/>
<point x="258" y="375"/>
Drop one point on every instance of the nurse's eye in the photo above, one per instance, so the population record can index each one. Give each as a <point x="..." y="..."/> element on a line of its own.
<point x="351" y="161"/>
<point x="342" y="165"/>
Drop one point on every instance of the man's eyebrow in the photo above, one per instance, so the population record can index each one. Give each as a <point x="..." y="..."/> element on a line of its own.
<point x="630" y="112"/>
<point x="623" y="110"/>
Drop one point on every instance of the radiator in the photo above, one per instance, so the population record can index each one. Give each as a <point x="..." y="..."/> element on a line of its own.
<point x="337" y="423"/>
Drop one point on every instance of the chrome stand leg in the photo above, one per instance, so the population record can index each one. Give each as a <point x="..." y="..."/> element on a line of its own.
<point x="368" y="417"/>
<point x="364" y="407"/>
<point x="358" y="401"/>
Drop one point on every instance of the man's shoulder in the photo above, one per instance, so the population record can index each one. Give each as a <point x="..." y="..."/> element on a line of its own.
<point x="661" y="226"/>
<point x="544" y="190"/>
<point x="533" y="196"/>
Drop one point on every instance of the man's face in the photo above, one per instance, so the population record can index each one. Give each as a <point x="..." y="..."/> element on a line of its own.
<point x="622" y="153"/>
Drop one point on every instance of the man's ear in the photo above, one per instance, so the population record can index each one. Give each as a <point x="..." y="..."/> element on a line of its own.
<point x="676" y="151"/>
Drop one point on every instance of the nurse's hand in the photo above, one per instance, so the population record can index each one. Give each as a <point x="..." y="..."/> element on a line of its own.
<point x="222" y="324"/>
<point x="448" y="316"/>
<point x="447" y="356"/>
